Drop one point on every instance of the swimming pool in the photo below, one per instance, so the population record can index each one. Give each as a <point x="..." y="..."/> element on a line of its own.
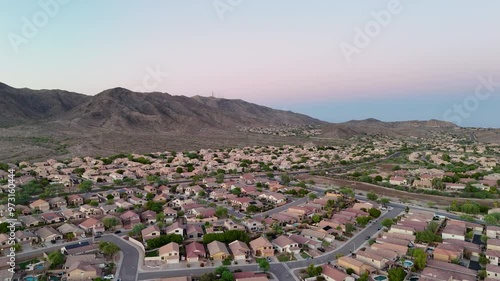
<point x="380" y="278"/>
<point x="30" y="278"/>
<point x="407" y="263"/>
<point x="39" y="266"/>
<point x="414" y="278"/>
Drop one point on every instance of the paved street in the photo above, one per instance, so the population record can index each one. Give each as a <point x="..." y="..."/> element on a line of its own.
<point x="128" y="268"/>
<point x="279" y="269"/>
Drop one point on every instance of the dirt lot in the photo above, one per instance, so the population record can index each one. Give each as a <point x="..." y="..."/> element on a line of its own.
<point x="421" y="199"/>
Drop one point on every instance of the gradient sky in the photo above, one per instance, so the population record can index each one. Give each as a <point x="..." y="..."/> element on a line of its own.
<point x="283" y="53"/>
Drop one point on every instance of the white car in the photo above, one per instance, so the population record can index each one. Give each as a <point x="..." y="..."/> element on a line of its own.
<point x="109" y="277"/>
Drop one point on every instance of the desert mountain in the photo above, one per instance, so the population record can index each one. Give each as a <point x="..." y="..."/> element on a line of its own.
<point x="37" y="124"/>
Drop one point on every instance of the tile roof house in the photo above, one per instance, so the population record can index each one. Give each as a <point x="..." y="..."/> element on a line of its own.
<point x="40" y="205"/>
<point x="150" y="232"/>
<point x="75" y="200"/>
<point x="195" y="251"/>
<point x="285" y="244"/>
<point x="175" y="228"/>
<point x="58" y="202"/>
<point x="148" y="216"/>
<point x="218" y="250"/>
<point x="30" y="221"/>
<point x="52" y="218"/>
<point x="169" y="253"/>
<point x="91" y="225"/>
<point x="82" y="270"/>
<point x="130" y="217"/>
<point x="47" y="234"/>
<point x="239" y="250"/>
<point x="194" y="231"/>
<point x="332" y="274"/>
<point x="261" y="247"/>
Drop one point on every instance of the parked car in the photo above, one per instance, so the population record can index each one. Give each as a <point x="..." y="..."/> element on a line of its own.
<point x="118" y="232"/>
<point x="109" y="277"/>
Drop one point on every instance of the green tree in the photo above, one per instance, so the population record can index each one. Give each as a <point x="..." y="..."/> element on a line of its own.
<point x="387" y="223"/>
<point x="108" y="248"/>
<point x="136" y="230"/>
<point x="420" y="260"/>
<point x="384" y="201"/>
<point x="396" y="274"/>
<point x="56" y="258"/>
<point x="372" y="196"/>
<point x="221" y="212"/>
<point x="363" y="277"/>
<point x="312" y="196"/>
<point x="109" y="223"/>
<point x="4" y="227"/>
<point x="374" y="213"/>
<point x="312" y="270"/>
<point x="85" y="186"/>
<point x="347" y="191"/>
<point x="285" y="178"/>
<point x="219" y="178"/>
<point x="236" y="191"/>
<point x="363" y="221"/>
<point x="349" y="228"/>
<point x="316" y="218"/>
<point x="264" y="265"/>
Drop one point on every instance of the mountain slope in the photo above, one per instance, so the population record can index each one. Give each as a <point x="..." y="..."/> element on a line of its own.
<point x="123" y="109"/>
<point x="19" y="106"/>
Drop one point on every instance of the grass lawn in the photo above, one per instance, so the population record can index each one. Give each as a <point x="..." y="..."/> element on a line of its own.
<point x="23" y="265"/>
<point x="154" y="253"/>
<point x="304" y="255"/>
<point x="285" y="257"/>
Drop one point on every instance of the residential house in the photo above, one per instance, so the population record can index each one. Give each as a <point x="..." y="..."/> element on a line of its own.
<point x="72" y="214"/>
<point x="218" y="250"/>
<point x="26" y="237"/>
<point x="148" y="217"/>
<point x="47" y="234"/>
<point x="40" y="205"/>
<point x="493" y="256"/>
<point x="231" y="225"/>
<point x="70" y="229"/>
<point x="92" y="225"/>
<point x="58" y="202"/>
<point x="130" y="218"/>
<point x="170" y="253"/>
<point x="150" y="232"/>
<point x="30" y="221"/>
<point x="90" y="210"/>
<point x="52" y="218"/>
<point x="358" y="266"/>
<point x="332" y="274"/>
<point x="285" y="244"/>
<point x="370" y="257"/>
<point x="493" y="272"/>
<point x="194" y="231"/>
<point x="239" y="250"/>
<point x="261" y="247"/>
<point x="175" y="228"/>
<point x="253" y="225"/>
<point x="195" y="251"/>
<point x="170" y="214"/>
<point x="82" y="270"/>
<point x="75" y="200"/>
